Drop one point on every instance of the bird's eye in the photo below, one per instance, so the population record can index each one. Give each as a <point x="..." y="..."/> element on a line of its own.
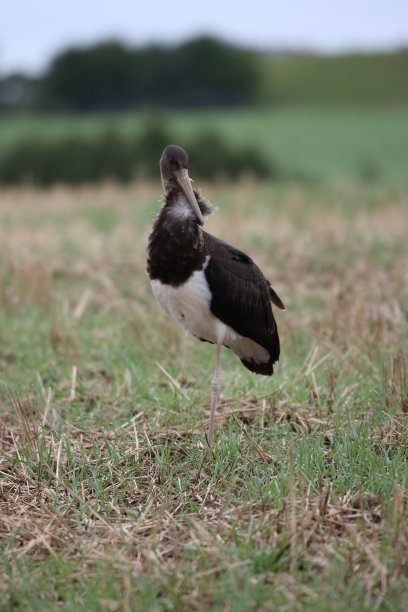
<point x="173" y="164"/>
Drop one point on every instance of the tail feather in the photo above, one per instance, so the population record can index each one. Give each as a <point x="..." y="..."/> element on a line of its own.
<point x="259" y="368"/>
<point x="270" y="341"/>
<point x="275" y="299"/>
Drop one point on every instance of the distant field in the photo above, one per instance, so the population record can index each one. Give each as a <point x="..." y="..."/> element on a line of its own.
<point x="363" y="79"/>
<point x="104" y="501"/>
<point x="315" y="142"/>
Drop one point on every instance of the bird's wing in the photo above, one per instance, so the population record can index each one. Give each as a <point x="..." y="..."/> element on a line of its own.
<point x="240" y="294"/>
<point x="223" y="259"/>
<point x="241" y="298"/>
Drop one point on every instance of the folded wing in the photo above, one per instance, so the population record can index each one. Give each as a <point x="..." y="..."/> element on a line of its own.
<point x="241" y="298"/>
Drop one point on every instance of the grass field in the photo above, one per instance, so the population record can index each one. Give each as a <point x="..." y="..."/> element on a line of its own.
<point x="366" y="79"/>
<point x="105" y="503"/>
<point x="313" y="142"/>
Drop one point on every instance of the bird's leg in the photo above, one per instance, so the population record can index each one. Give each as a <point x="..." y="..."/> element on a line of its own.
<point x="215" y="389"/>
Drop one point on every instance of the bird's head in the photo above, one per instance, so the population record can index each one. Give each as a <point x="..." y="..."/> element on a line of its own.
<point x="174" y="173"/>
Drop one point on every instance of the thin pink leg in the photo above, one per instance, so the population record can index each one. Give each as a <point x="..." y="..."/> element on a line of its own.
<point x="215" y="389"/>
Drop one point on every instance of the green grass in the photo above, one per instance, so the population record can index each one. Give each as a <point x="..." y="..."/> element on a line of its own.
<point x="104" y="500"/>
<point x="302" y="78"/>
<point x="369" y="143"/>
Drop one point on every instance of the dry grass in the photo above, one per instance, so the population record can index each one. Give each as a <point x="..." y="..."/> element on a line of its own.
<point x="105" y="502"/>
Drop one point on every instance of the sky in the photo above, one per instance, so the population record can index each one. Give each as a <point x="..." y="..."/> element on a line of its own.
<point x="32" y="32"/>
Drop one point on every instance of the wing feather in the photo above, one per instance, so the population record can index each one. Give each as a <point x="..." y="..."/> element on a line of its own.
<point x="241" y="298"/>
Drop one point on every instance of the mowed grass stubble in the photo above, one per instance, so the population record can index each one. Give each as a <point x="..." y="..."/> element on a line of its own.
<point x="104" y="500"/>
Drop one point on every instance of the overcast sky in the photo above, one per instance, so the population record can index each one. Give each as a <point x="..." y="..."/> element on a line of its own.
<point x="31" y="32"/>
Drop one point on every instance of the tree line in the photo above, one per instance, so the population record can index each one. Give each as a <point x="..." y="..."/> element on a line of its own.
<point x="109" y="156"/>
<point x="204" y="72"/>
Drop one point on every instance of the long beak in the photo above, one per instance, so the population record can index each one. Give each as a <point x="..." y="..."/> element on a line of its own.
<point x="184" y="181"/>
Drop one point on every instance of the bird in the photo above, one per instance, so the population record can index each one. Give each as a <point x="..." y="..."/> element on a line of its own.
<point x="209" y="288"/>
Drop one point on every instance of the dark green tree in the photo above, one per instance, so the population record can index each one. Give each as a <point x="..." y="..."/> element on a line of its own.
<point x="97" y="78"/>
<point x="200" y="73"/>
<point x="208" y="72"/>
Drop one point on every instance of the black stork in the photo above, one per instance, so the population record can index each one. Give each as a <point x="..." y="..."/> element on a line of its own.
<point x="208" y="287"/>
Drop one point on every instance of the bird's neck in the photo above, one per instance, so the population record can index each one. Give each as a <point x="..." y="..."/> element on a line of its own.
<point x="176" y="205"/>
<point x="175" y="242"/>
<point x="178" y="208"/>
